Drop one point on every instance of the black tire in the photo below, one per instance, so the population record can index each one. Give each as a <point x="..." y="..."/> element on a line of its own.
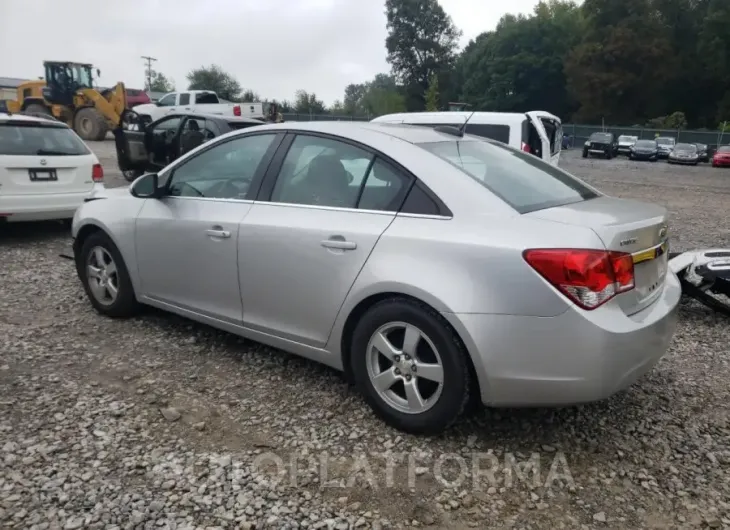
<point x="454" y="396"/>
<point x="37" y="108"/>
<point x="585" y="154"/>
<point x="89" y="124"/>
<point x="132" y="174"/>
<point x="609" y="155"/>
<point x="126" y="304"/>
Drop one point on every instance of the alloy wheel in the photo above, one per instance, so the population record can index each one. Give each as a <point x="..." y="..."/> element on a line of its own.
<point x="405" y="367"/>
<point x="102" y="276"/>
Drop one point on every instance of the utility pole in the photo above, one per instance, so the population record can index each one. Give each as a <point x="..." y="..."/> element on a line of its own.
<point x="148" y="70"/>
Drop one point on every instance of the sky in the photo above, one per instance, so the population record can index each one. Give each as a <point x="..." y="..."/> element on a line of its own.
<point x="273" y="47"/>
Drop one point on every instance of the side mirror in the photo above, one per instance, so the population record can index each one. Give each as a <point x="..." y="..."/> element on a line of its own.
<point x="145" y="187"/>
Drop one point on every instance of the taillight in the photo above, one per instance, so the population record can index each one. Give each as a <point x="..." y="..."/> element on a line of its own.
<point x="236" y="110"/>
<point x="526" y="148"/>
<point x="97" y="173"/>
<point x="590" y="278"/>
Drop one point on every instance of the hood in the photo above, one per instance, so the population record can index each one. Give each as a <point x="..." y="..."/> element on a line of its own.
<point x="110" y="193"/>
<point x="145" y="107"/>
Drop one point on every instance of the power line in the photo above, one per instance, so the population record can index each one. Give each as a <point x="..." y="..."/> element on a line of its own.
<point x="148" y="71"/>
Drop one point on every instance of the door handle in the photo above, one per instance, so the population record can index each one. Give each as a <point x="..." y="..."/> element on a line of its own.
<point x="218" y="233"/>
<point x="339" y="244"/>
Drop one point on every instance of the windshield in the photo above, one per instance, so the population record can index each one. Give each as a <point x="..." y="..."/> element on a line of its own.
<point x="686" y="147"/>
<point x="627" y="138"/>
<point x="24" y="139"/>
<point x="723" y="149"/>
<point x="665" y="141"/>
<point x="521" y="180"/>
<point x="646" y="143"/>
<point x="600" y="137"/>
<point x="81" y="75"/>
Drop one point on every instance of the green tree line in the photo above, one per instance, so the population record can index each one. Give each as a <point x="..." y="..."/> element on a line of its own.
<point x="627" y="62"/>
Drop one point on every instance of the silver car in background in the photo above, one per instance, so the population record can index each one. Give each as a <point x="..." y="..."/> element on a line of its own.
<point x="430" y="266"/>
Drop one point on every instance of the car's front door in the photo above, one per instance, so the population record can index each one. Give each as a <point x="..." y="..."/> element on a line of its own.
<point x="321" y="210"/>
<point x="187" y="241"/>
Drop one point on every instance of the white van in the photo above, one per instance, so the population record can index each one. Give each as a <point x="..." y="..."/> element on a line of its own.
<point x="536" y="132"/>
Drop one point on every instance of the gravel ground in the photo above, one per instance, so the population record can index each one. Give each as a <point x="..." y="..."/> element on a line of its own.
<point x="158" y="422"/>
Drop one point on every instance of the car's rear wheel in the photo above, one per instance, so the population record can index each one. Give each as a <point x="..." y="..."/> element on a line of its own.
<point x="410" y="366"/>
<point x="105" y="277"/>
<point x="585" y="154"/>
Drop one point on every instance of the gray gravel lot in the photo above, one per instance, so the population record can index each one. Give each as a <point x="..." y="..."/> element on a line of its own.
<point x="158" y="422"/>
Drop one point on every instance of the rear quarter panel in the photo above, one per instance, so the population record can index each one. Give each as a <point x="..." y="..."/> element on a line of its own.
<point x="467" y="265"/>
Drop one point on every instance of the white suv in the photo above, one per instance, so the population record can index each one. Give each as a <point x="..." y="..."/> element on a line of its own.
<point x="46" y="170"/>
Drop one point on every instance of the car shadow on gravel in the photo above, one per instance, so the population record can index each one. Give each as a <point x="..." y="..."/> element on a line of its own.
<point x="33" y="231"/>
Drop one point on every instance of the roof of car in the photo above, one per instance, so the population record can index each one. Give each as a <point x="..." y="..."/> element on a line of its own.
<point x="410" y="133"/>
<point x="50" y="121"/>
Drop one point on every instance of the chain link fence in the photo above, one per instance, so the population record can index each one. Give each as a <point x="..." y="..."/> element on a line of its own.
<point x="712" y="139"/>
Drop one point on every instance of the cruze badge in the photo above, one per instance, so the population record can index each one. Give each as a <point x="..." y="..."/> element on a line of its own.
<point x="43" y="161"/>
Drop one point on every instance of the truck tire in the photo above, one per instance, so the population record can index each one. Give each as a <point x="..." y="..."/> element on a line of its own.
<point x="89" y="124"/>
<point x="38" y="109"/>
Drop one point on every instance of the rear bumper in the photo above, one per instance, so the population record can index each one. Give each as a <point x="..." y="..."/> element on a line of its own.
<point x="643" y="156"/>
<point x="572" y="358"/>
<point x="720" y="162"/>
<point x="43" y="207"/>
<point x="686" y="161"/>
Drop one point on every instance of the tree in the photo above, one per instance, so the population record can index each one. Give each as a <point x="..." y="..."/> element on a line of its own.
<point x="160" y="83"/>
<point x="307" y="103"/>
<point x="622" y="63"/>
<point x="432" y="94"/>
<point x="249" y="96"/>
<point x="337" y="108"/>
<point x="519" y="66"/>
<point x="422" y="41"/>
<point x="216" y="80"/>
<point x="380" y="96"/>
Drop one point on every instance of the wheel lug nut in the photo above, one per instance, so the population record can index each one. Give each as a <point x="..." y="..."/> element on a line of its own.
<point x="397" y="371"/>
<point x="397" y="358"/>
<point x="413" y="368"/>
<point x="408" y="377"/>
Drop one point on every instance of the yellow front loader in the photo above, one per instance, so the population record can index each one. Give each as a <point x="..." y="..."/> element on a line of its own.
<point x="68" y="94"/>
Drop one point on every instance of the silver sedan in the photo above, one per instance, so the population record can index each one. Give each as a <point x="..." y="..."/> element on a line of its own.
<point x="431" y="267"/>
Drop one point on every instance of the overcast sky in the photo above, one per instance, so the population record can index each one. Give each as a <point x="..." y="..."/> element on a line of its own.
<point x="271" y="46"/>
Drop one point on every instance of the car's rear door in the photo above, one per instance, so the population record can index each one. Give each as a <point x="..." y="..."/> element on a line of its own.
<point x="43" y="157"/>
<point x="321" y="210"/>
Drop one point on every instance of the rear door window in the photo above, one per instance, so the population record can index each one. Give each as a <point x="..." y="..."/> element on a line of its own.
<point x="485" y="130"/>
<point x="523" y="181"/>
<point x="29" y="138"/>
<point x="554" y="132"/>
<point x="206" y="98"/>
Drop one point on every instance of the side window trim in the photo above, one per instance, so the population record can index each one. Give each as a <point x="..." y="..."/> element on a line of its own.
<point x="365" y="178"/>
<point x="260" y="171"/>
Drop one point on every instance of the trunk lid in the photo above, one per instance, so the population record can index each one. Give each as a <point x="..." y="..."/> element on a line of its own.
<point x="628" y="226"/>
<point x="31" y="175"/>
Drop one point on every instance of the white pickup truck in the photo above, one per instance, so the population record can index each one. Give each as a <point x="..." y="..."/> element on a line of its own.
<point x="201" y="101"/>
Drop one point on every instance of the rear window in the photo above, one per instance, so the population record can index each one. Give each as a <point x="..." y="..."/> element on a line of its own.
<point x="29" y="138"/>
<point x="665" y="141"/>
<point x="723" y="149"/>
<point x="494" y="132"/>
<point x="235" y="125"/>
<point x="521" y="180"/>
<point x="134" y="92"/>
<point x="624" y="138"/>
<point x="686" y="147"/>
<point x="554" y="132"/>
<point x="646" y="143"/>
<point x="206" y="98"/>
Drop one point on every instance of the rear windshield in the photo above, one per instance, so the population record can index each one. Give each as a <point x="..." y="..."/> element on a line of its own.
<point x="521" y="180"/>
<point x="686" y="147"/>
<point x="723" y="149"/>
<point x="645" y="143"/>
<point x="235" y="125"/>
<point x="627" y="138"/>
<point x="665" y="141"/>
<point x="28" y="138"/>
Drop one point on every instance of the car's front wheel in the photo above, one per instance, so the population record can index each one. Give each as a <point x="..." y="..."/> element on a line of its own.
<point x="410" y="366"/>
<point x="132" y="174"/>
<point x="105" y="277"/>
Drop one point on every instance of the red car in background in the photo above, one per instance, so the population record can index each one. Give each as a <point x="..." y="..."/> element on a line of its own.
<point x="137" y="97"/>
<point x="722" y="157"/>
